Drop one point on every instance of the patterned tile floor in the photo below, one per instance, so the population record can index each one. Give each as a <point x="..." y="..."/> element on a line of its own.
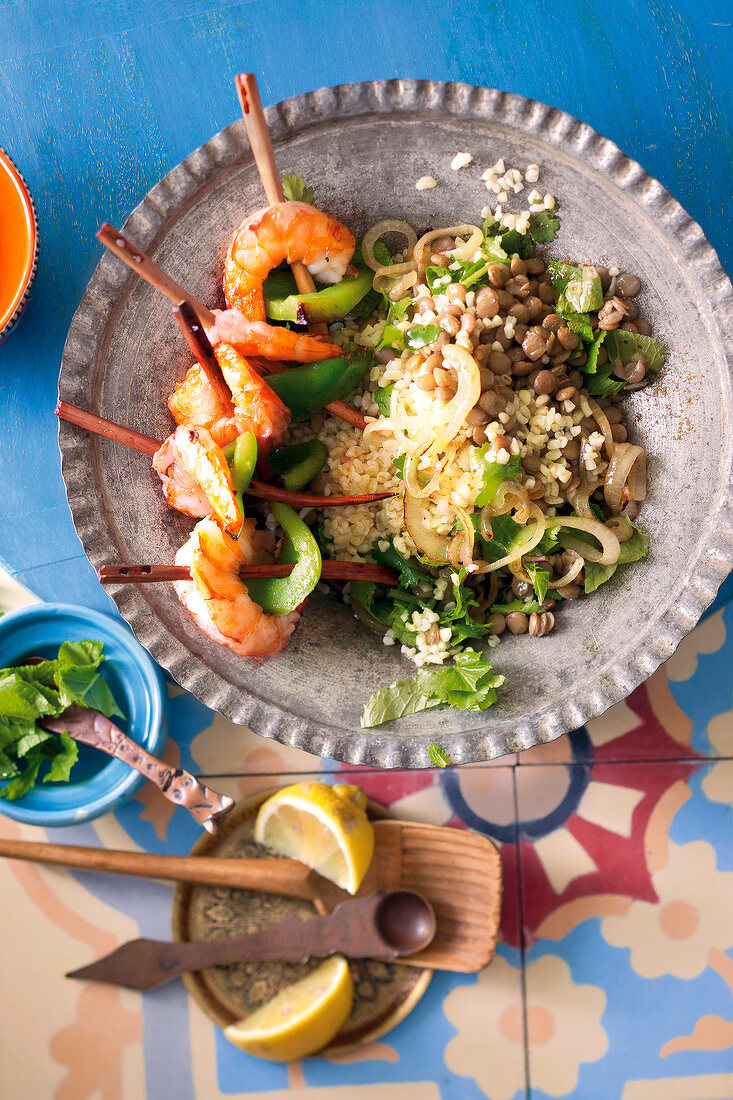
<point x="614" y="977"/>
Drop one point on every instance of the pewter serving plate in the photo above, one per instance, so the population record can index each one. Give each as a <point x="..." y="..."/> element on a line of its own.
<point x="362" y="147"/>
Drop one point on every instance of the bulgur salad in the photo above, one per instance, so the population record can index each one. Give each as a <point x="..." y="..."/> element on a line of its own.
<point x="494" y="411"/>
<point x="443" y="447"/>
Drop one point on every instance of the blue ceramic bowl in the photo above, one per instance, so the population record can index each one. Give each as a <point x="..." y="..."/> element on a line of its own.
<point x="98" y="783"/>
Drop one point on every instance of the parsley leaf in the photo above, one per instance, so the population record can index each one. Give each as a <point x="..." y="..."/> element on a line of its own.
<point x="490" y="474"/>
<point x="296" y="189"/>
<point x="540" y="580"/>
<point x="544" y="227"/>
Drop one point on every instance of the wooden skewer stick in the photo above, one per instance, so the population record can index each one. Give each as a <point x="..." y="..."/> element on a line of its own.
<point x="261" y="144"/>
<point x="330" y="570"/>
<point x="259" y="139"/>
<point x="139" y="262"/>
<point x="147" y="269"/>
<point x="148" y="446"/>
<point x="99" y="426"/>
<point x="199" y="344"/>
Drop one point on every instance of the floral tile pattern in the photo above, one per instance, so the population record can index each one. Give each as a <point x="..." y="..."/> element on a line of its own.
<point x="614" y="973"/>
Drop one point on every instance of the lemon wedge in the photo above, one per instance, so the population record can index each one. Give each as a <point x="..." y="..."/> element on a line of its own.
<point x="300" y="1019"/>
<point x="324" y="826"/>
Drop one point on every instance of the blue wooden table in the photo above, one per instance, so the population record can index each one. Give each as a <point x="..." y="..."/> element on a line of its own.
<point x="97" y="102"/>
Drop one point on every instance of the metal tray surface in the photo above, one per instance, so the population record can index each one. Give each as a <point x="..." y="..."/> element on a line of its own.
<point x="362" y="147"/>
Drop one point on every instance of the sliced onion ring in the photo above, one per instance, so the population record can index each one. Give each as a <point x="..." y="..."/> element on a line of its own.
<point x="610" y="546"/>
<point x="625" y="459"/>
<point x="372" y="235"/>
<point x="605" y="426"/>
<point x="569" y="577"/>
<point x="426" y="539"/>
<point x="534" y="535"/>
<point x="475" y="237"/>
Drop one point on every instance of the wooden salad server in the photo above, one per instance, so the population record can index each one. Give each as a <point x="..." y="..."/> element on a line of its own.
<point x="381" y="925"/>
<point x="458" y="871"/>
<point x="93" y="728"/>
<point x="179" y="786"/>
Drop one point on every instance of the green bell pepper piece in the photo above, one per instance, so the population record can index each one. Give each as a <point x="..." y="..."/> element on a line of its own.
<point x="306" y="390"/>
<point x="279" y="595"/>
<point x="298" y="464"/>
<point x="241" y="454"/>
<point x="283" y="303"/>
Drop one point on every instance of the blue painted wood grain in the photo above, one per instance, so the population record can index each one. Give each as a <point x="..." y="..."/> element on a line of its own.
<point x="98" y="101"/>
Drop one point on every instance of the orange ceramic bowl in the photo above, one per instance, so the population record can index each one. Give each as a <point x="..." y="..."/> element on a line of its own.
<point x="18" y="244"/>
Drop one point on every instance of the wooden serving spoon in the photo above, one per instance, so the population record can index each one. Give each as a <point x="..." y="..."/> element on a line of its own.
<point x="459" y="872"/>
<point x="382" y="925"/>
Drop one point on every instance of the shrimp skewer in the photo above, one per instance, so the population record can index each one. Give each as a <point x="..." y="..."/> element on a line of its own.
<point x="258" y="338"/>
<point x="217" y="598"/>
<point x="142" y="265"/>
<point x="286" y="231"/>
<point x="196" y="477"/>
<point x="255" y="407"/>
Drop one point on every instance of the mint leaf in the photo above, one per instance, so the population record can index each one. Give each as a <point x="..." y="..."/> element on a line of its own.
<point x="583" y="292"/>
<point x="633" y="549"/>
<point x="469" y="685"/>
<point x="411" y="575"/>
<point x="63" y="761"/>
<point x="561" y="274"/>
<point x="629" y="346"/>
<point x="576" y="322"/>
<point x="437" y="756"/>
<point x="296" y="189"/>
<point x="591" y="364"/>
<point x="30" y="693"/>
<point x="382" y="254"/>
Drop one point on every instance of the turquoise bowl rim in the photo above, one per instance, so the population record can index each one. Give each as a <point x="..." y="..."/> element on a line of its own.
<point x="146" y="698"/>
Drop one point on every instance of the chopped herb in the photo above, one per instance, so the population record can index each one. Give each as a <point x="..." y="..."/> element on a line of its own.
<point x="437" y="756"/>
<point x="491" y="474"/>
<point x="544" y="227"/>
<point x="32" y="692"/>
<point x="591" y="364"/>
<point x="296" y="189"/>
<point x="469" y="685"/>
<point x="635" y="548"/>
<point x="582" y="291"/>
<point x="382" y="254"/>
<point x="520" y="243"/>
<point x="382" y="398"/>
<point x="629" y="346"/>
<point x="411" y="575"/>
<point x="540" y="580"/>
<point x="419" y="336"/>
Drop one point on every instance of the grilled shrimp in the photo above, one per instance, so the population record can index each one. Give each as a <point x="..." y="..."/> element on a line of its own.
<point x="269" y="341"/>
<point x="218" y="599"/>
<point x="196" y="477"/>
<point x="194" y="402"/>
<point x="256" y="407"/>
<point x="285" y="232"/>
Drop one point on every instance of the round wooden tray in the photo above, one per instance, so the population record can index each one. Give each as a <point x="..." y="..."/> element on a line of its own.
<point x="385" y="993"/>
